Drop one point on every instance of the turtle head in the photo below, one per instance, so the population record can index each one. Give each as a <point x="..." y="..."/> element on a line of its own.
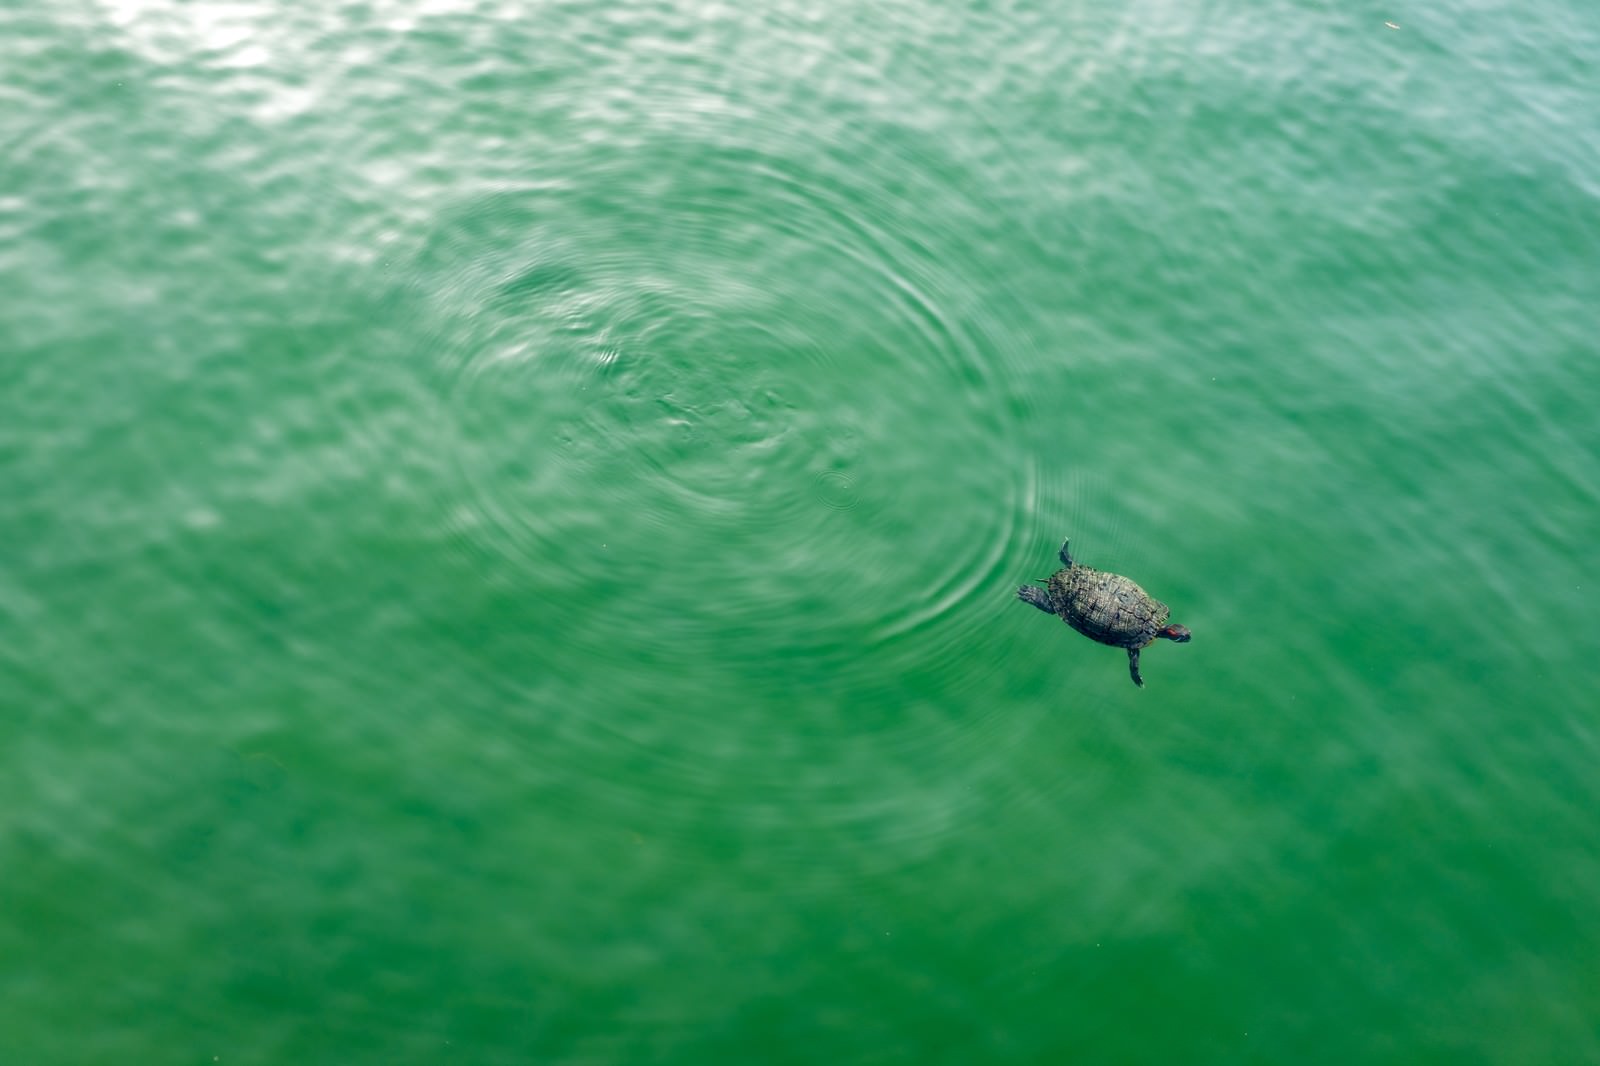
<point x="1176" y="633"/>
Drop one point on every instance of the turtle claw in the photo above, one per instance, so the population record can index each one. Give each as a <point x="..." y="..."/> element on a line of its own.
<point x="1039" y="597"/>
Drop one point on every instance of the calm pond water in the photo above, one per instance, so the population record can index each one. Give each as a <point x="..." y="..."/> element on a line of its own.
<point x="512" y="512"/>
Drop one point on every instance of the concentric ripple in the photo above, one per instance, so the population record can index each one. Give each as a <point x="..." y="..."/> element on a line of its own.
<point x="751" y="414"/>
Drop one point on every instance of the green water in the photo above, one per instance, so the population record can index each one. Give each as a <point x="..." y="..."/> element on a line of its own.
<point x="511" y="512"/>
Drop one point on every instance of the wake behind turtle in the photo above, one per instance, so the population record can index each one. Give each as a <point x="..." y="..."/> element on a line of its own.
<point x="1104" y="607"/>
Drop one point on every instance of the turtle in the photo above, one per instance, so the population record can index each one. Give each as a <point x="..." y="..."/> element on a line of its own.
<point x="1105" y="607"/>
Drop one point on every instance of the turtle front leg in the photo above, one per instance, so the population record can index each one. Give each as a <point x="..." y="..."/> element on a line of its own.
<point x="1133" y="666"/>
<point x="1066" y="556"/>
<point x="1036" y="596"/>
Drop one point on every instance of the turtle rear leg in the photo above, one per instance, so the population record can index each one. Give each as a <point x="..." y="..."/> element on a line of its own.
<point x="1036" y="596"/>
<point x="1133" y="666"/>
<point x="1066" y="556"/>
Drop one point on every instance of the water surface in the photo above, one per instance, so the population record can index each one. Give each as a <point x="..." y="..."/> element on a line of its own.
<point x="512" y="511"/>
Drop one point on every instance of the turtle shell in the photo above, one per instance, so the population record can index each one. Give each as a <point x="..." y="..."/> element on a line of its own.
<point x="1107" y="607"/>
